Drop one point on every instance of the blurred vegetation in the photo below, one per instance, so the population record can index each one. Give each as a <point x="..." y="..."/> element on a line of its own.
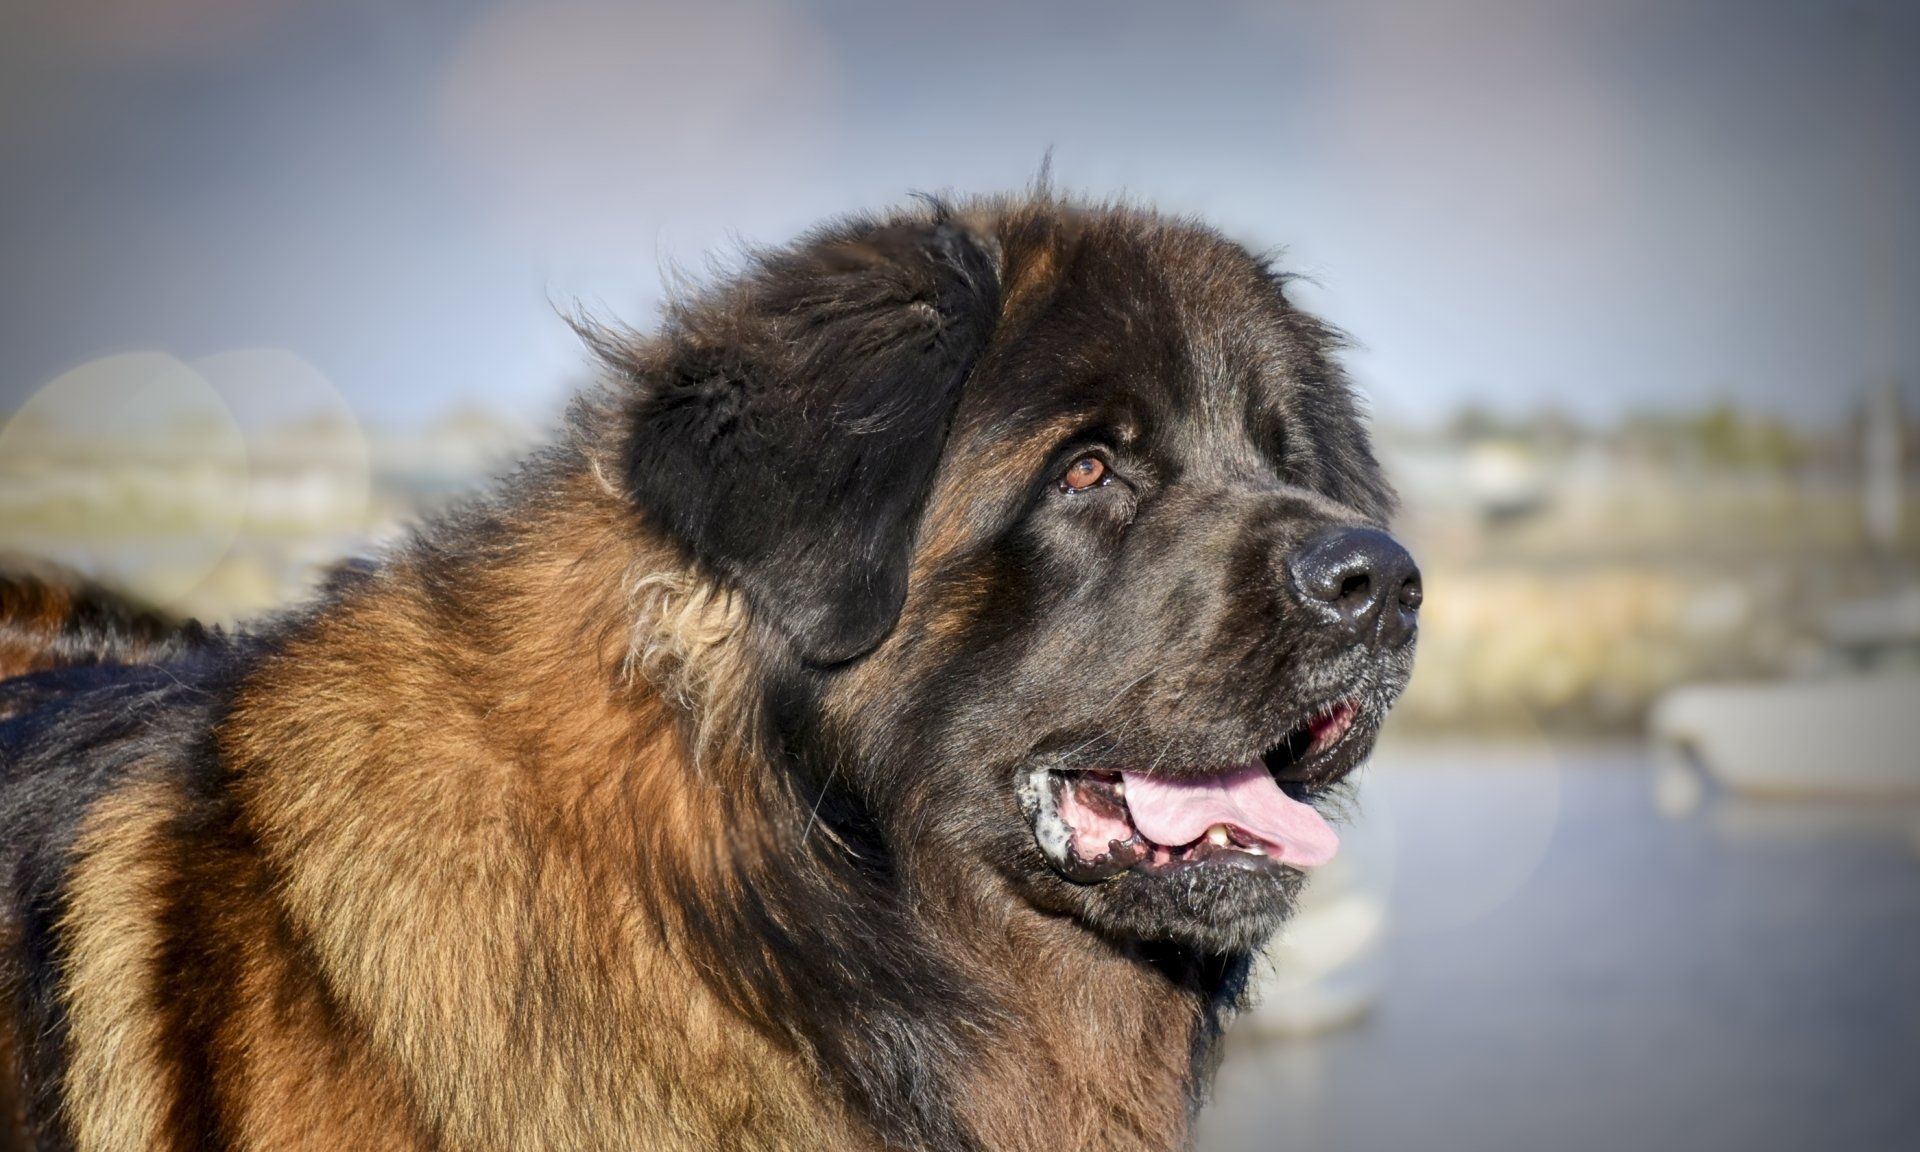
<point x="1574" y="571"/>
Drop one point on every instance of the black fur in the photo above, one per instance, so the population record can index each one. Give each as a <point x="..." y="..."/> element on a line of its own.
<point x="788" y="440"/>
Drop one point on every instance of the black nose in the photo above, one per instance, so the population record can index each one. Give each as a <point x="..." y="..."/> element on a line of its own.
<point x="1364" y="581"/>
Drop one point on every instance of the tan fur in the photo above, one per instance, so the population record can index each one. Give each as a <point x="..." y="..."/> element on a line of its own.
<point x="32" y="614"/>
<point x="13" y="1109"/>
<point x="13" y="1104"/>
<point x="292" y="1080"/>
<point x="1107" y="1074"/>
<point x="551" y="793"/>
<point x="302" y="1084"/>
<point x="1030" y="263"/>
<point x="118" y="1089"/>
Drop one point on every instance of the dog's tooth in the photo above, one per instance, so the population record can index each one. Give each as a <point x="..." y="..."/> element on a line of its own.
<point x="1120" y="789"/>
<point x="1217" y="835"/>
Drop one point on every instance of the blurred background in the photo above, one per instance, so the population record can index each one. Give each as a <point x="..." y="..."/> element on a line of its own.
<point x="1634" y="287"/>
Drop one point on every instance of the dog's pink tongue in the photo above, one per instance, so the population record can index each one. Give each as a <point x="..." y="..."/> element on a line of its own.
<point x="1175" y="812"/>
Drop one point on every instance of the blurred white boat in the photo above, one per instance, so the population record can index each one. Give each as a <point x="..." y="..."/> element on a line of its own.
<point x="1840" y="736"/>
<point x="1852" y="732"/>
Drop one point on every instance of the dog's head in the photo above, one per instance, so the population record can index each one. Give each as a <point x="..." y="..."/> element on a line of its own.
<point x="1065" y="541"/>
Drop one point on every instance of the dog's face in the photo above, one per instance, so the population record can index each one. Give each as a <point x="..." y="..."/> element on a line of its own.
<point x="1094" y="599"/>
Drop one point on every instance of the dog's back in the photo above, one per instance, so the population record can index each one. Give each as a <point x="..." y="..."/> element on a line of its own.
<point x="51" y="619"/>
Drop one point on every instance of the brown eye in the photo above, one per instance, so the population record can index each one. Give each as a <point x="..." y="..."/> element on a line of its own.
<point x="1084" y="473"/>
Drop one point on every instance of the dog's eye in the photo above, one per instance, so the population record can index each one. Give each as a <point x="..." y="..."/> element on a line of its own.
<point x="1084" y="473"/>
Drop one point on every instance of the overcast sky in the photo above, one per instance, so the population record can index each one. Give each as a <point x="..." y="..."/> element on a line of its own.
<point x="1597" y="205"/>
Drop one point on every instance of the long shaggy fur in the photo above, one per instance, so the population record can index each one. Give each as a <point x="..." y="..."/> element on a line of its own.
<point x="659" y="797"/>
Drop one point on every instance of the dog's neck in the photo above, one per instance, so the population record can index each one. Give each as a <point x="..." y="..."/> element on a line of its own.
<point x="1104" y="1047"/>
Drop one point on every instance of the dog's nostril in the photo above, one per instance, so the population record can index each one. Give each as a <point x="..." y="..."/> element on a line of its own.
<point x="1357" y="585"/>
<point x="1410" y="593"/>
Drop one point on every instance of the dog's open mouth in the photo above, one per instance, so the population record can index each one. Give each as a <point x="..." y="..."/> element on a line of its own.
<point x="1092" y="824"/>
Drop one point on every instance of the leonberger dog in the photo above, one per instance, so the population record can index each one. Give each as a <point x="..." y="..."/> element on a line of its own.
<point x="890" y="715"/>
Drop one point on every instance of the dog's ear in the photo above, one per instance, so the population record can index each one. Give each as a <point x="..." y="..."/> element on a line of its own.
<point x="787" y="429"/>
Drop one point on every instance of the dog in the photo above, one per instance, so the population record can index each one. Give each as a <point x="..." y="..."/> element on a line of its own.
<point x="890" y="714"/>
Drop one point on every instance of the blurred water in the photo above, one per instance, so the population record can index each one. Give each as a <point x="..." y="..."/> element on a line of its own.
<point x="1745" y="979"/>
